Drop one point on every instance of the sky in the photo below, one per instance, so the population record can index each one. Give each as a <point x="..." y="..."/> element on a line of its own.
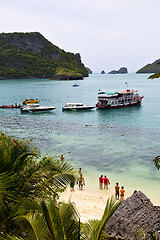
<point x="108" y="34"/>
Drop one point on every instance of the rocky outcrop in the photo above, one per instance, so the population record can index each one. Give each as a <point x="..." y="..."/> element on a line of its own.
<point x="102" y="72"/>
<point x="151" y="67"/>
<point x="89" y="70"/>
<point x="135" y="213"/>
<point x="122" y="70"/>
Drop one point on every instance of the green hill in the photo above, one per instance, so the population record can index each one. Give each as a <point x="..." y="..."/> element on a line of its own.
<point x="151" y="68"/>
<point x="30" y="55"/>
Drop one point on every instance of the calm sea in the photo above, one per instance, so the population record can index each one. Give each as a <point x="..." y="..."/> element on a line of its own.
<point x="120" y="143"/>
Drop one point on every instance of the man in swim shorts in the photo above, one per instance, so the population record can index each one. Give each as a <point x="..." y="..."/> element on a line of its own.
<point x="101" y="182"/>
<point x="106" y="182"/>
<point x="117" y="191"/>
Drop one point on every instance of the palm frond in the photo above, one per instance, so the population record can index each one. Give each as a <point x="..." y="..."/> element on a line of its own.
<point x="156" y="162"/>
<point x="110" y="208"/>
<point x="70" y="218"/>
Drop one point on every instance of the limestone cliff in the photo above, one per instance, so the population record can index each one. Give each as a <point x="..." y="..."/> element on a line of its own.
<point x="30" y="55"/>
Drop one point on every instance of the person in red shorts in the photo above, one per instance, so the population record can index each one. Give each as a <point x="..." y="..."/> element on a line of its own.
<point x="101" y="182"/>
<point x="117" y="191"/>
<point x="106" y="182"/>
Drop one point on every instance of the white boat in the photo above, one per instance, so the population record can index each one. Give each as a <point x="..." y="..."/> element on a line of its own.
<point x="118" y="99"/>
<point x="77" y="106"/>
<point x="36" y="108"/>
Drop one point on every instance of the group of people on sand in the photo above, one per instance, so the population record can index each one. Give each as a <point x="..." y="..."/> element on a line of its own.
<point x="119" y="192"/>
<point x="80" y="181"/>
<point x="104" y="182"/>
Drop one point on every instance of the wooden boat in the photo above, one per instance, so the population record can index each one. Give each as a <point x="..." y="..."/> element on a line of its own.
<point x="118" y="99"/>
<point x="77" y="106"/>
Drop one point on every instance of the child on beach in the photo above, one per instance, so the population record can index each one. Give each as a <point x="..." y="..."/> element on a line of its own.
<point x="106" y="182"/>
<point x="101" y="182"/>
<point x="117" y="191"/>
<point x="122" y="191"/>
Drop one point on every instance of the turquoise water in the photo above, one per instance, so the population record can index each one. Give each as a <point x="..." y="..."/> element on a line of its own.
<point x="118" y="142"/>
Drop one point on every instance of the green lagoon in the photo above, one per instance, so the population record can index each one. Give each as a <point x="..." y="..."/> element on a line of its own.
<point x="120" y="143"/>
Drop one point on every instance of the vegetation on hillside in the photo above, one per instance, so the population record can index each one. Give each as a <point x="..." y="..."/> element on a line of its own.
<point x="30" y="55"/>
<point x="151" y="68"/>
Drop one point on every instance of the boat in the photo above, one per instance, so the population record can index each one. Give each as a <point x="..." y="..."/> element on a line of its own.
<point x="30" y="101"/>
<point x="75" y="85"/>
<point x="118" y="99"/>
<point x="11" y="106"/>
<point x="36" y="108"/>
<point x="77" y="106"/>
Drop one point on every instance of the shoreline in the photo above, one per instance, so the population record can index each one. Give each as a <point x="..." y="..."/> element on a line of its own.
<point x="91" y="201"/>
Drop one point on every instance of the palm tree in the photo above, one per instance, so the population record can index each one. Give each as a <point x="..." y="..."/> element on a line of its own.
<point x="61" y="221"/>
<point x="49" y="221"/>
<point x="24" y="177"/>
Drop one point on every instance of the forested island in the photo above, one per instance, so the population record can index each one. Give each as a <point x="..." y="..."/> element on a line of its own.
<point x="151" y="68"/>
<point x="31" y="55"/>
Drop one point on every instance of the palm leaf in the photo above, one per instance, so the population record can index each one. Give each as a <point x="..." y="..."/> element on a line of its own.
<point x="70" y="218"/>
<point x="156" y="162"/>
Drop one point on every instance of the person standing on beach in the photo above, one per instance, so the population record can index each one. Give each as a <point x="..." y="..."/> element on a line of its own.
<point x="106" y="182"/>
<point x="81" y="182"/>
<point x="72" y="183"/>
<point x="101" y="182"/>
<point x="117" y="191"/>
<point x="122" y="191"/>
<point x="80" y="171"/>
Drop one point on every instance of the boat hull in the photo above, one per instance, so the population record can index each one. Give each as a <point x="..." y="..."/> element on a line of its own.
<point x="77" y="108"/>
<point x="37" y="109"/>
<point x="118" y="105"/>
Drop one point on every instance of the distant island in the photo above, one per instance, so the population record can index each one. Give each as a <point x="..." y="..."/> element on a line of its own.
<point x="122" y="70"/>
<point x="31" y="55"/>
<point x="102" y="72"/>
<point x="151" y="67"/>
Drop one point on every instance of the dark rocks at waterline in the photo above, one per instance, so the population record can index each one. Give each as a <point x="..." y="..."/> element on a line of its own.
<point x="67" y="77"/>
<point x="135" y="213"/>
<point x="102" y="72"/>
<point x="122" y="70"/>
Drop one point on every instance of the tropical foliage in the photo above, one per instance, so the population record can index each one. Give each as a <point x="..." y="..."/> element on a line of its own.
<point x="156" y="162"/>
<point x="30" y="55"/>
<point x="27" y="179"/>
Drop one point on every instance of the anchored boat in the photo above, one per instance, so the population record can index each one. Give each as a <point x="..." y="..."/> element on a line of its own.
<point x="36" y="108"/>
<point x="118" y="99"/>
<point x="77" y="106"/>
<point x="30" y="101"/>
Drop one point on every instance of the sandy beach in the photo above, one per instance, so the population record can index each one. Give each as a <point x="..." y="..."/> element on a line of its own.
<point x="90" y="204"/>
<point x="91" y="201"/>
